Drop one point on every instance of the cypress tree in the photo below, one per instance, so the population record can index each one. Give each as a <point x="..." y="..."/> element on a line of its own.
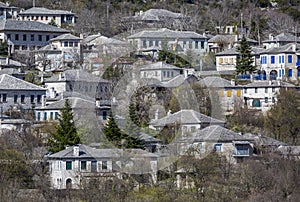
<point x="244" y="63"/>
<point x="66" y="132"/>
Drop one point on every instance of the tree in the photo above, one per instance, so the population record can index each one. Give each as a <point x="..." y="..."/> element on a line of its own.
<point x="283" y="120"/>
<point x="52" y="22"/>
<point x="119" y="138"/>
<point x="244" y="63"/>
<point x="66" y="132"/>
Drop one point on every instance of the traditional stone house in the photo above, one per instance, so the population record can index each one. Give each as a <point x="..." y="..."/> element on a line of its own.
<point x="161" y="71"/>
<point x="281" y="62"/>
<point x="74" y="166"/>
<point x="63" y="51"/>
<point x="279" y="40"/>
<point x="7" y="11"/>
<point x="262" y="95"/>
<point x="78" y="81"/>
<point x="19" y="94"/>
<point x="46" y="16"/>
<point x="180" y="42"/>
<point x="27" y="35"/>
<point x="189" y="121"/>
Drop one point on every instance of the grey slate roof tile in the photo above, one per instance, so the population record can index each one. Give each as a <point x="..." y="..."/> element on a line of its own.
<point x="8" y="82"/>
<point x="75" y="103"/>
<point x="166" y="33"/>
<point x="65" y="37"/>
<point x="283" y="37"/>
<point x="41" y="10"/>
<point x="215" y="82"/>
<point x="184" y="116"/>
<point x="17" y="25"/>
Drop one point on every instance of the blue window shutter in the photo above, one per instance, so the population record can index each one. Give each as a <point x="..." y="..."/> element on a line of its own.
<point x="298" y="72"/>
<point x="279" y="59"/>
<point x="39" y="116"/>
<point x="290" y="59"/>
<point x="282" y="60"/>
<point x="290" y="72"/>
<point x="282" y="72"/>
<point x="272" y="59"/>
<point x="279" y="73"/>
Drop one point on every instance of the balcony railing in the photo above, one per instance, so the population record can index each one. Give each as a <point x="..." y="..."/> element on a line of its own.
<point x="243" y="152"/>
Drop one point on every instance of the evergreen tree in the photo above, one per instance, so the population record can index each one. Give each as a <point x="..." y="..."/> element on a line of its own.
<point x="119" y="138"/>
<point x="244" y="63"/>
<point x="132" y="114"/>
<point x="66" y="132"/>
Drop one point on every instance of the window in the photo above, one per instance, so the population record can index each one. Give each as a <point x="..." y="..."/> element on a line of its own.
<point x="196" y="44"/>
<point x="156" y="43"/>
<point x="51" y="115"/>
<point x="290" y="72"/>
<point x="104" y="165"/>
<point x="273" y="100"/>
<point x="42" y="17"/>
<point x="202" y="44"/>
<point x="164" y="73"/>
<point x="31" y="98"/>
<point x="221" y="93"/>
<point x="273" y="90"/>
<point x="272" y="59"/>
<point x="56" y="116"/>
<point x="47" y="37"/>
<point x="266" y="90"/>
<point x="39" y="98"/>
<point x="32" y="37"/>
<point x="69" y="165"/>
<point x="45" y="116"/>
<point x="256" y="103"/>
<point x="229" y="93"/>
<point x="15" y="98"/>
<point x="39" y="116"/>
<point x="255" y="90"/>
<point x="83" y="165"/>
<point x="150" y="43"/>
<point x="54" y="17"/>
<point x="40" y="38"/>
<point x="218" y="147"/>
<point x="190" y="45"/>
<point x="23" y="99"/>
<point x="24" y="37"/>
<point x="17" y="37"/>
<point x="266" y="100"/>
<point x="238" y="93"/>
<point x="220" y="60"/>
<point x="193" y="129"/>
<point x="66" y="44"/>
<point x="75" y="44"/>
<point x="290" y="59"/>
<point x="46" y="17"/>
<point x="104" y="115"/>
<point x="245" y="90"/>
<point x="168" y="74"/>
<point x="144" y="44"/>
<point x="71" y="44"/>
<point x="8" y="36"/>
<point x="94" y="166"/>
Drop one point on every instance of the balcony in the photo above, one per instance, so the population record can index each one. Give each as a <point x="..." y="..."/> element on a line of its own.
<point x="241" y="152"/>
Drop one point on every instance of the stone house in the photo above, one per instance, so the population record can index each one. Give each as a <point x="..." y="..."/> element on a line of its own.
<point x="74" y="166"/>
<point x="19" y="94"/>
<point x="44" y="15"/>
<point x="279" y="40"/>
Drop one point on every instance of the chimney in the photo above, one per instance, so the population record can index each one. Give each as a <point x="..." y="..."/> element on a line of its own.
<point x="232" y="82"/>
<point x="76" y="150"/>
<point x="294" y="47"/>
<point x="186" y="72"/>
<point x="52" y="92"/>
<point x="156" y="115"/>
<point x="169" y="113"/>
<point x="270" y="82"/>
<point x="61" y="76"/>
<point x="97" y="103"/>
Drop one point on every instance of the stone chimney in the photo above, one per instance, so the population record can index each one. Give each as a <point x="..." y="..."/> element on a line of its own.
<point x="294" y="47"/>
<point x="7" y="61"/>
<point x="169" y="113"/>
<point x="76" y="150"/>
<point x="97" y="103"/>
<point x="232" y="82"/>
<point x="52" y="92"/>
<point x="43" y="100"/>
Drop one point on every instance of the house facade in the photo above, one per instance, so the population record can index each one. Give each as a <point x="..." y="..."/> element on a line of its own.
<point x="19" y="94"/>
<point x="73" y="167"/>
<point x="160" y="71"/>
<point x="27" y="35"/>
<point x="262" y="95"/>
<point x="281" y="62"/>
<point x="63" y="51"/>
<point x="177" y="41"/>
<point x="79" y="81"/>
<point x="46" y="16"/>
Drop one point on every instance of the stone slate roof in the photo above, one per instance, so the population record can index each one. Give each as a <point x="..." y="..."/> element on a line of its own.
<point x="86" y="152"/>
<point x="261" y="84"/>
<point x="75" y="103"/>
<point x="159" y="66"/>
<point x="41" y="10"/>
<point x="185" y="116"/>
<point x="215" y="82"/>
<point x="33" y="26"/>
<point x="288" y="48"/>
<point x="76" y="75"/>
<point x="166" y="33"/>
<point x="175" y="82"/>
<point x="8" y="82"/>
<point x="283" y="37"/>
<point x="289" y="150"/>
<point x="3" y="61"/>
<point x="65" y="37"/>
<point x="268" y="141"/>
<point x="222" y="38"/>
<point x="233" y="51"/>
<point x="147" y="138"/>
<point x="216" y="133"/>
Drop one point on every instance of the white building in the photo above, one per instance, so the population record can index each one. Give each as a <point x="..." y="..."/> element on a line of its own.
<point x="74" y="166"/>
<point x="46" y="16"/>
